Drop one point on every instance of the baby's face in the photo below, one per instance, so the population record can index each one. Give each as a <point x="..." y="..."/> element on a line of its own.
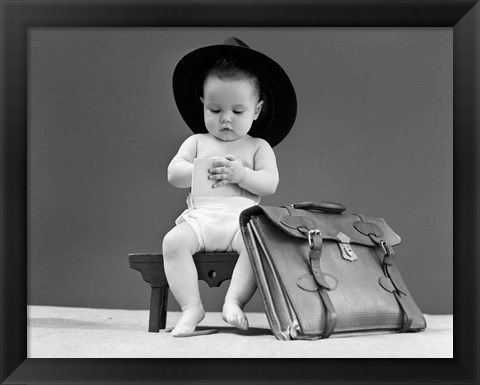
<point x="230" y="107"/>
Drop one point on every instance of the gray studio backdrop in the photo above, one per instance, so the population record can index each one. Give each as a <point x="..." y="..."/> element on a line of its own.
<point x="373" y="132"/>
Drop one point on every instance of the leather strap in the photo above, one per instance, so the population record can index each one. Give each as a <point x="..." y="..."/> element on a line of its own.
<point x="387" y="267"/>
<point x="407" y="317"/>
<point x="314" y="256"/>
<point x="331" y="319"/>
<point x="400" y="290"/>
<point x="315" y="242"/>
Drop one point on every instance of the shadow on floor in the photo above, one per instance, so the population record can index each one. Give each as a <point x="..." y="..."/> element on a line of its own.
<point x="68" y="323"/>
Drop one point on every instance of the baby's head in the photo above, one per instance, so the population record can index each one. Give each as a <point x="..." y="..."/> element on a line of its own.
<point x="232" y="99"/>
<point x="232" y="69"/>
<point x="207" y="82"/>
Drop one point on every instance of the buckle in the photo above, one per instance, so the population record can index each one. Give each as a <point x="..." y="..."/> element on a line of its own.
<point x="389" y="254"/>
<point x="311" y="234"/>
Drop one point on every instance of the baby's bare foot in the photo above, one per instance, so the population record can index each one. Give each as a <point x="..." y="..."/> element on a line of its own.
<point x="191" y="317"/>
<point x="234" y="315"/>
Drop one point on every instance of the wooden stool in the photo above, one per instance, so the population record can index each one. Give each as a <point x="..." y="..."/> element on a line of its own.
<point x="213" y="268"/>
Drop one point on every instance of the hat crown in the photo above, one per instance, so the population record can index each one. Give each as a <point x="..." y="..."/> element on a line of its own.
<point x="232" y="40"/>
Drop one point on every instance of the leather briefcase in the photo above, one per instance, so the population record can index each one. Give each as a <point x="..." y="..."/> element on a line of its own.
<point x="321" y="271"/>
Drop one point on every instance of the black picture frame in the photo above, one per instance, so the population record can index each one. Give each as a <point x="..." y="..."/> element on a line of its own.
<point x="17" y="16"/>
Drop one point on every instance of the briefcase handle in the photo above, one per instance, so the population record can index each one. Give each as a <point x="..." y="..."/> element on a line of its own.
<point x="327" y="207"/>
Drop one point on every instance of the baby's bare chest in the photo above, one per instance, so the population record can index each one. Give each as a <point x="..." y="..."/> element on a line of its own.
<point x="245" y="150"/>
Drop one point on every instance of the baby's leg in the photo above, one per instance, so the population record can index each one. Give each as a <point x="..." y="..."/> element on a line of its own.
<point x="179" y="245"/>
<point x="241" y="289"/>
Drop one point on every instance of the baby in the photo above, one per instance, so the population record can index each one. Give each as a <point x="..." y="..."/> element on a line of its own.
<point x="234" y="96"/>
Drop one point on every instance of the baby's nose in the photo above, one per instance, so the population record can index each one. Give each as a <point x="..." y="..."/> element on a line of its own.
<point x="226" y="118"/>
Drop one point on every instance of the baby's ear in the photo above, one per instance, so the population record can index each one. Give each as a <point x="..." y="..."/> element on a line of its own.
<point x="201" y="98"/>
<point x="258" y="109"/>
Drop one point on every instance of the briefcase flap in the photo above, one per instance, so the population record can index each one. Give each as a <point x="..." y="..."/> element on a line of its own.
<point x="342" y="228"/>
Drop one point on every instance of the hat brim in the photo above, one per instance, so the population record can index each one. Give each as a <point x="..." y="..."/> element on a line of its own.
<point x="273" y="125"/>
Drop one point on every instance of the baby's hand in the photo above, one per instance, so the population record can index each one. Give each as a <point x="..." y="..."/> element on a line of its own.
<point x="228" y="169"/>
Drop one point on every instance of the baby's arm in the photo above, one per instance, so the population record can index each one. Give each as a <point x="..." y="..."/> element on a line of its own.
<point x="263" y="180"/>
<point x="180" y="168"/>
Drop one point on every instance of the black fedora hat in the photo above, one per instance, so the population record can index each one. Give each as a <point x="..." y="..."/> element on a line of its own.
<point x="280" y="106"/>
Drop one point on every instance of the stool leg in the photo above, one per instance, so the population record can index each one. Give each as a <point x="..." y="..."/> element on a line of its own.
<point x="158" y="309"/>
<point x="163" y="307"/>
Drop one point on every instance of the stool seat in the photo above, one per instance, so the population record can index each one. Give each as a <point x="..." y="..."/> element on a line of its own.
<point x="213" y="268"/>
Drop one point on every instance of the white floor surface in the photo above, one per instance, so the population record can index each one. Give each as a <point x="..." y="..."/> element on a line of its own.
<point x="61" y="332"/>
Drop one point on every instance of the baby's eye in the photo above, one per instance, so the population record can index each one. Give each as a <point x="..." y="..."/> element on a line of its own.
<point x="214" y="111"/>
<point x="238" y="112"/>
